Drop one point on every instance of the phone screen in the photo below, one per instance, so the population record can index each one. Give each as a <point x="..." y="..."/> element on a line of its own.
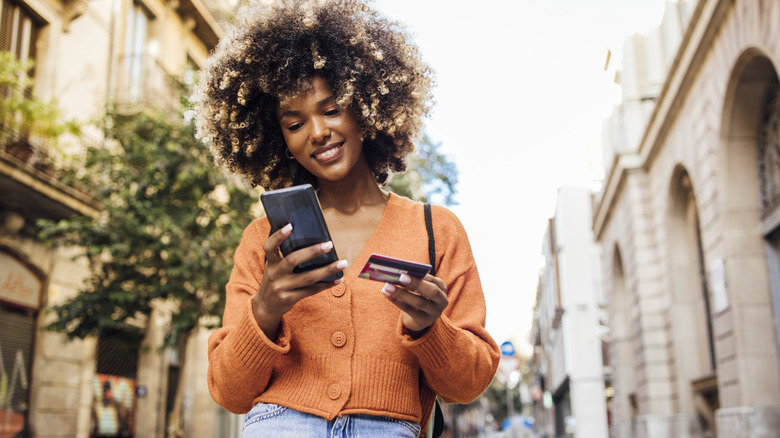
<point x="299" y="206"/>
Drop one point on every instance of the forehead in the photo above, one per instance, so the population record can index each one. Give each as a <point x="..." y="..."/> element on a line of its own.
<point x="311" y="92"/>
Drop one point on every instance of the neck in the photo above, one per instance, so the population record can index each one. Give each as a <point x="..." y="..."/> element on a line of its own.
<point x="351" y="194"/>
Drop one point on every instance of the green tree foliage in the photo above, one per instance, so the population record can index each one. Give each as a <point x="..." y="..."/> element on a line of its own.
<point x="430" y="176"/>
<point x="170" y="224"/>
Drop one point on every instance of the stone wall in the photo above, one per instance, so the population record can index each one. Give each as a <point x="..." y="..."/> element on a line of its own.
<point x="696" y="170"/>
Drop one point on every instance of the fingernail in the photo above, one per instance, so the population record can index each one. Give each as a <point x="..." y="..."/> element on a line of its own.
<point x="327" y="246"/>
<point x="388" y="289"/>
<point x="341" y="264"/>
<point x="287" y="229"/>
<point x="405" y="279"/>
<point x="339" y="280"/>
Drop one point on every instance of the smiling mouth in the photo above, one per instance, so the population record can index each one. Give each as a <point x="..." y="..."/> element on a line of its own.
<point x="329" y="154"/>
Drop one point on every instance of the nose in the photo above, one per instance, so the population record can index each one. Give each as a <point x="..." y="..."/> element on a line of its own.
<point x="319" y="130"/>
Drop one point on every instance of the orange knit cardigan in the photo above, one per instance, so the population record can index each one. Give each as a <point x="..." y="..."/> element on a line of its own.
<point x="344" y="350"/>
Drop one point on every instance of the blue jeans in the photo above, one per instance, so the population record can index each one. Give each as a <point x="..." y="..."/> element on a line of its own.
<point x="270" y="420"/>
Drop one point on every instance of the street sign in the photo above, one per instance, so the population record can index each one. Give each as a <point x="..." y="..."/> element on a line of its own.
<point x="509" y="360"/>
<point x="507" y="365"/>
<point x="507" y="349"/>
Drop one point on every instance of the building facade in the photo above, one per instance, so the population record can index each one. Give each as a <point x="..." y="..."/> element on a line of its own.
<point x="87" y="55"/>
<point x="688" y="224"/>
<point x="568" y="325"/>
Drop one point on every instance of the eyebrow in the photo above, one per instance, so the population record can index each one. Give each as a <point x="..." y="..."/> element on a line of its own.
<point x="296" y="112"/>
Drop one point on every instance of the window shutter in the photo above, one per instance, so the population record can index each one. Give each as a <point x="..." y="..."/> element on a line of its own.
<point x="17" y="335"/>
<point x="6" y="25"/>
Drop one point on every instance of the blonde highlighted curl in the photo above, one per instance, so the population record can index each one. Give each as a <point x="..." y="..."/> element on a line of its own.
<point x="272" y="51"/>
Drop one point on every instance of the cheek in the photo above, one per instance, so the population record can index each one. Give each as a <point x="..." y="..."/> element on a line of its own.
<point x="352" y="130"/>
<point x="291" y="140"/>
<point x="286" y="139"/>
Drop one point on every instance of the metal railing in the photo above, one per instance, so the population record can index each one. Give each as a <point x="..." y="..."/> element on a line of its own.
<point x="142" y="81"/>
<point x="48" y="158"/>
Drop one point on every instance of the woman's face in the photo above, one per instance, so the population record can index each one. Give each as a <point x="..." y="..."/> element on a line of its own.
<point x="321" y="135"/>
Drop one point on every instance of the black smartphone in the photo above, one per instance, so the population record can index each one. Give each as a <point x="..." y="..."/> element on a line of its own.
<point x="299" y="206"/>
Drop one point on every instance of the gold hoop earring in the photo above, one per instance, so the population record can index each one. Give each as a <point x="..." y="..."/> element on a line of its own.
<point x="289" y="154"/>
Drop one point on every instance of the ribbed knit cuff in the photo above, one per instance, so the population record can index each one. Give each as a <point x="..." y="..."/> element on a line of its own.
<point x="432" y="348"/>
<point x="254" y="349"/>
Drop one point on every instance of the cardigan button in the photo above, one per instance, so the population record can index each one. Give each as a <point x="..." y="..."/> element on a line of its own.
<point x="338" y="290"/>
<point x="338" y="339"/>
<point x="334" y="391"/>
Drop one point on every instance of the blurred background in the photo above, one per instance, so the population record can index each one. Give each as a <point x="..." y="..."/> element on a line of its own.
<point x="615" y="163"/>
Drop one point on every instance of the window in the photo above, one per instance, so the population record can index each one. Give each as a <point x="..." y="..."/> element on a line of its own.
<point x="18" y="31"/>
<point x="136" y="49"/>
<point x="18" y="35"/>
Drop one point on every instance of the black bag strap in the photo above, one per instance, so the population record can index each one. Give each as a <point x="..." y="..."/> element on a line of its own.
<point x="431" y="240"/>
<point x="438" y="417"/>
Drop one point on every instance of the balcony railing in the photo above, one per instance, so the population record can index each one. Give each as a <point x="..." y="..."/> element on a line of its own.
<point x="142" y="81"/>
<point x="31" y="171"/>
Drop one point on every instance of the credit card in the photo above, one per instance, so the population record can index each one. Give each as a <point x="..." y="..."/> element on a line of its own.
<point x="389" y="269"/>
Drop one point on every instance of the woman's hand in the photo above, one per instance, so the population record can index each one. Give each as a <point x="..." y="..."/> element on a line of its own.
<point x="280" y="288"/>
<point x="422" y="301"/>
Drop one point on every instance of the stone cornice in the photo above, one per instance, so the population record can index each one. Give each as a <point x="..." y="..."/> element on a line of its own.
<point x="691" y="55"/>
<point x="621" y="165"/>
<point x="704" y="26"/>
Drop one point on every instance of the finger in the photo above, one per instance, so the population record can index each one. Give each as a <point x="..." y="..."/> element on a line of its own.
<point x="409" y="302"/>
<point x="303" y="255"/>
<point x="314" y="276"/>
<point x="438" y="282"/>
<point x="409" y="282"/>
<point x="288" y="288"/>
<point x="296" y="286"/>
<point x="430" y="288"/>
<point x="274" y="241"/>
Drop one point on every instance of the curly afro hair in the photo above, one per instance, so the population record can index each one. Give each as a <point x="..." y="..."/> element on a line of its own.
<point x="272" y="51"/>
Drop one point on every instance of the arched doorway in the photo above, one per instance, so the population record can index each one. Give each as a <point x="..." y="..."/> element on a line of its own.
<point x="690" y="317"/>
<point x="768" y="162"/>
<point x="21" y="294"/>
<point x="750" y="204"/>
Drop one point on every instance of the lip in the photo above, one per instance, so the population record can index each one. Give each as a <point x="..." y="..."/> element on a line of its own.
<point x="329" y="158"/>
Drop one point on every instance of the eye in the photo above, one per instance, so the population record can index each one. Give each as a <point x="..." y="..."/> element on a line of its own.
<point x="331" y="112"/>
<point x="294" y="126"/>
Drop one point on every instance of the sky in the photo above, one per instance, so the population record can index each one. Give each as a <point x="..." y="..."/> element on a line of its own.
<point x="520" y="99"/>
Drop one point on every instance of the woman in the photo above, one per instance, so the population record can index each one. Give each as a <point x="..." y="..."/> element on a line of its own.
<point x="332" y="94"/>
